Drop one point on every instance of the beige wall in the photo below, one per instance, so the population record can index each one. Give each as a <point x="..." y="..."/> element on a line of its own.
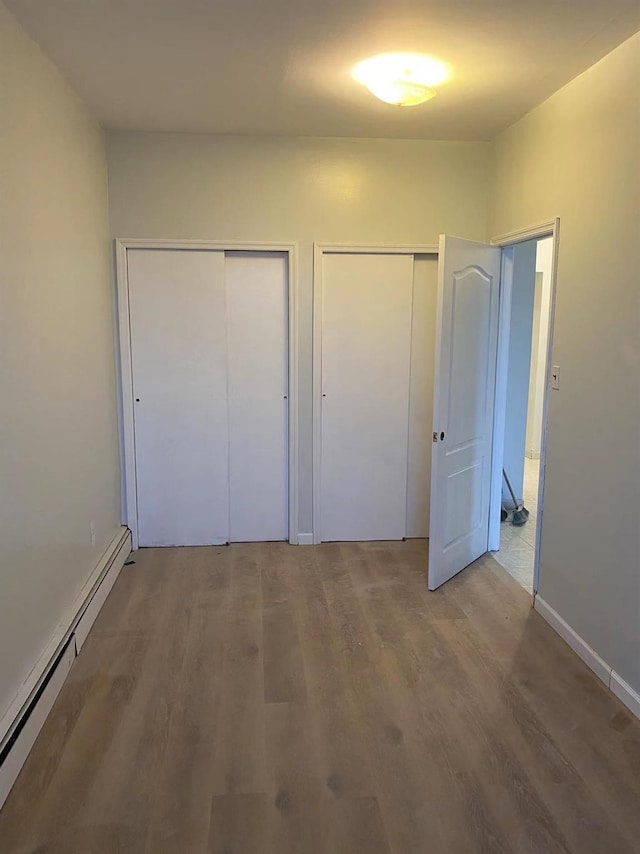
<point x="577" y="156"/>
<point x="255" y="189"/>
<point x="58" y="455"/>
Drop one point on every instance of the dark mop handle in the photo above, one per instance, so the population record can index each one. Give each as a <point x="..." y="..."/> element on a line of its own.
<point x="513" y="498"/>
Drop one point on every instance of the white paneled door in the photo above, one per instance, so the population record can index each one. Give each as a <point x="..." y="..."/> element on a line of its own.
<point x="179" y="366"/>
<point x="209" y="349"/>
<point x="257" y="322"/>
<point x="466" y="348"/>
<point x="366" y="350"/>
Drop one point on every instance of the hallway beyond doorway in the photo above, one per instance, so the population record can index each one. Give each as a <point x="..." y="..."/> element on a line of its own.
<point x="517" y="545"/>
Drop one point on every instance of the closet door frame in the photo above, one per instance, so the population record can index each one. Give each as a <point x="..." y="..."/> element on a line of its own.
<point x="125" y="374"/>
<point x="319" y="251"/>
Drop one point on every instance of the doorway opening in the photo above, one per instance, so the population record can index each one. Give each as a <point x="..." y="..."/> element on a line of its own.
<point x="476" y="283"/>
<point x="522" y="384"/>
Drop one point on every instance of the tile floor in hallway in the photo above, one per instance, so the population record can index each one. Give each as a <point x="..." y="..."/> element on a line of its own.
<point x="517" y="545"/>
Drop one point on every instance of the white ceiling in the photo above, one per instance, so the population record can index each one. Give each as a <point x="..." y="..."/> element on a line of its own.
<point x="283" y="66"/>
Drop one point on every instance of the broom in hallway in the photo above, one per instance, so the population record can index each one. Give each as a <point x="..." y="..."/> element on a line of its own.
<point x="520" y="512"/>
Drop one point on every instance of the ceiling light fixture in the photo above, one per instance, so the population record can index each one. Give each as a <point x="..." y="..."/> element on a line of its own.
<point x="403" y="79"/>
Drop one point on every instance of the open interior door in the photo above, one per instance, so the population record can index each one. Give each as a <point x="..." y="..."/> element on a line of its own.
<point x="463" y="407"/>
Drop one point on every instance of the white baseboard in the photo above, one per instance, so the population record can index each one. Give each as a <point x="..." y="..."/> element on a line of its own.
<point x="305" y="539"/>
<point x="27" y="712"/>
<point x="577" y="644"/>
<point x="625" y="692"/>
<point x="603" y="671"/>
<point x="97" y="600"/>
<point x="25" y="738"/>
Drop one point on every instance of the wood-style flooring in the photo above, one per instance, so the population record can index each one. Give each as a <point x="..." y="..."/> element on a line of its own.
<point x="267" y="699"/>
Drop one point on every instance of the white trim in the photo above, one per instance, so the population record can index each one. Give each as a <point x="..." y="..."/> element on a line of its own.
<point x="533" y="232"/>
<point x="129" y="510"/>
<point x="128" y="455"/>
<point x="317" y="389"/>
<point x="500" y="404"/>
<point x="305" y="539"/>
<point x="550" y="228"/>
<point x="625" y="692"/>
<point x="376" y="249"/>
<point x="213" y="245"/>
<point x="292" y="272"/>
<point x="108" y="579"/>
<point x="616" y="684"/>
<point x="545" y="400"/>
<point x="320" y="249"/>
<point x="21" y="748"/>
<point x="577" y="644"/>
<point x="10" y="720"/>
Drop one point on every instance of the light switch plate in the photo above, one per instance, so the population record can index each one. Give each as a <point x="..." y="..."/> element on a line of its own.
<point x="555" y="377"/>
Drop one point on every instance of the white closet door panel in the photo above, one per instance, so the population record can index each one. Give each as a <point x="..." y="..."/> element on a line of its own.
<point x="366" y="341"/>
<point x="178" y="344"/>
<point x="257" y="311"/>
<point x="425" y="293"/>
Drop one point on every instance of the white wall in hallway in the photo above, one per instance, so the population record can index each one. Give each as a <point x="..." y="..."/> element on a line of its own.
<point x="539" y="344"/>
<point x="520" y="338"/>
<point x="577" y="157"/>
<point x="59" y="468"/>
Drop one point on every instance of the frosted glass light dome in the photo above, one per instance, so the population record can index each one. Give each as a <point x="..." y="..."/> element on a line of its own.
<point x="402" y="79"/>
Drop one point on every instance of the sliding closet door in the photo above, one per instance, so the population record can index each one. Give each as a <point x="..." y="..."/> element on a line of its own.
<point x="257" y="314"/>
<point x="179" y="357"/>
<point x="423" y="351"/>
<point x="366" y="344"/>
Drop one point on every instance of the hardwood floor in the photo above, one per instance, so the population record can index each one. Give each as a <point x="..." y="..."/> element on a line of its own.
<point x="267" y="699"/>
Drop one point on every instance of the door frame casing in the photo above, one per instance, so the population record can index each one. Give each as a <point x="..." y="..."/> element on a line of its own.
<point x="548" y="228"/>
<point x="125" y="364"/>
<point x="319" y="250"/>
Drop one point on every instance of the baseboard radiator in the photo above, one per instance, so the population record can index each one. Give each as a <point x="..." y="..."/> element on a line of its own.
<point x="25" y="717"/>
